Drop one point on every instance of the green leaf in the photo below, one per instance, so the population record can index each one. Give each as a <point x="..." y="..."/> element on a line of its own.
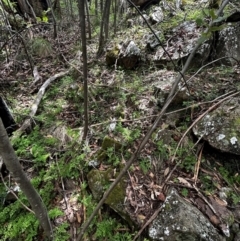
<point x="39" y="20"/>
<point x="184" y="192"/>
<point x="212" y="14"/>
<point x="203" y="38"/>
<point x="219" y="20"/>
<point x="55" y="212"/>
<point x="45" y="19"/>
<point x="216" y="28"/>
<point x="199" y="22"/>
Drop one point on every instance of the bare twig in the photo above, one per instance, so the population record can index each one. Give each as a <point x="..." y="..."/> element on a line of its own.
<point x="14" y="194"/>
<point x="148" y="222"/>
<point x="197" y="165"/>
<point x="36" y="76"/>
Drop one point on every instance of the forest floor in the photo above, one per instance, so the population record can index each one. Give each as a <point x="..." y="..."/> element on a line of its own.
<point x="122" y="106"/>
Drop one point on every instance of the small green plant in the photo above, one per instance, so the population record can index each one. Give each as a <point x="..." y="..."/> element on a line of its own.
<point x="184" y="192"/>
<point x="128" y="135"/>
<point x="17" y="223"/>
<point x="108" y="228"/>
<point x="40" y="47"/>
<point x="104" y="229"/>
<point x="34" y="146"/>
<point x="188" y="162"/>
<point x="61" y="232"/>
<point x="226" y="175"/>
<point x="113" y="157"/>
<point x="187" y="157"/>
<point x="235" y="198"/>
<point x="145" y="165"/>
<point x="162" y="150"/>
<point x="207" y="183"/>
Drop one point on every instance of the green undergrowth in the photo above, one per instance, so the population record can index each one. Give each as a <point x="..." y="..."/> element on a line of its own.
<point x="49" y="163"/>
<point x="48" y="166"/>
<point x="114" y="100"/>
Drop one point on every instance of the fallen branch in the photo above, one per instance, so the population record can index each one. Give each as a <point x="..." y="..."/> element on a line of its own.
<point x="37" y="77"/>
<point x="27" y="124"/>
<point x="148" y="222"/>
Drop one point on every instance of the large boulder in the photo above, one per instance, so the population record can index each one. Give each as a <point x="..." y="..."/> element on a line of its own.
<point x="99" y="181"/>
<point x="162" y="82"/>
<point x="178" y="46"/>
<point x="220" y="128"/>
<point x="228" y="44"/>
<point x="126" y="55"/>
<point x="179" y="220"/>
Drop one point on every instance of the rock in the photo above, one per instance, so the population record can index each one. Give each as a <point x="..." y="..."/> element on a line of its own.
<point x="108" y="142"/>
<point x="157" y="15"/>
<point x="179" y="220"/>
<point x="126" y="55"/>
<point x="220" y="128"/>
<point x="180" y="43"/>
<point x="60" y="133"/>
<point x="162" y="82"/>
<point x="112" y="55"/>
<point x="228" y="44"/>
<point x="151" y="41"/>
<point x="179" y="4"/>
<point x="99" y="181"/>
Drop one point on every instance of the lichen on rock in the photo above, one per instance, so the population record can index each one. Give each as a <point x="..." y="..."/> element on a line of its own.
<point x="99" y="181"/>
<point x="108" y="142"/>
<point x="179" y="220"/>
<point x="126" y="55"/>
<point x="221" y="127"/>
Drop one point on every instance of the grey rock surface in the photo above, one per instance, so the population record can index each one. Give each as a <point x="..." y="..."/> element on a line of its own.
<point x="180" y="221"/>
<point x="229" y="44"/>
<point x="221" y="127"/>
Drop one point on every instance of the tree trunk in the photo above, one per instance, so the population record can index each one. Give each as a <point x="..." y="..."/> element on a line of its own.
<point x="32" y="8"/>
<point x="104" y="28"/>
<point x="81" y="9"/>
<point x="13" y="165"/>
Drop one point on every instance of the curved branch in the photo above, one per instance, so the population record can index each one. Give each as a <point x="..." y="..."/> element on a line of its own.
<point x="27" y="123"/>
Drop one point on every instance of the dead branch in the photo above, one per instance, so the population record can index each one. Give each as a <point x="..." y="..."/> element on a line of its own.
<point x="37" y="77"/>
<point x="27" y="124"/>
<point x="15" y="195"/>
